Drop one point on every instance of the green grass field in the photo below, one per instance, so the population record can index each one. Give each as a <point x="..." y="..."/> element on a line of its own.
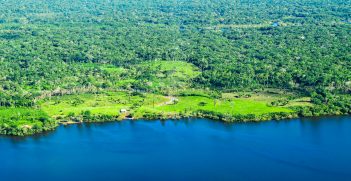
<point x="169" y="74"/>
<point x="110" y="103"/>
<point x="179" y="69"/>
<point x="233" y="106"/>
<point x="160" y="75"/>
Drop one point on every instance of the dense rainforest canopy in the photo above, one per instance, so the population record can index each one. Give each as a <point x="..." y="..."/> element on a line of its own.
<point x="57" y="47"/>
<point x="46" y="45"/>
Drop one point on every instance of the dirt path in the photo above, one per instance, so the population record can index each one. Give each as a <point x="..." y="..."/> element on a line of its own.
<point x="171" y="100"/>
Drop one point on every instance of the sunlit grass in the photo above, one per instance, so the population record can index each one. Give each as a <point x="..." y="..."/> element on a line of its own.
<point x="110" y="103"/>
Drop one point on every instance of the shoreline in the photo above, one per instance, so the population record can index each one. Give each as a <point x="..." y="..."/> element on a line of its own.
<point x="69" y="123"/>
<point x="258" y="107"/>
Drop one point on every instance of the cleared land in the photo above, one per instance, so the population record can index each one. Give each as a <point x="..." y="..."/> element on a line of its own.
<point x="168" y="96"/>
<point x="110" y="103"/>
<point x="167" y="78"/>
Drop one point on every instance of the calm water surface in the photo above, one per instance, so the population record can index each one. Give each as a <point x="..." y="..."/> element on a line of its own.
<point x="300" y="149"/>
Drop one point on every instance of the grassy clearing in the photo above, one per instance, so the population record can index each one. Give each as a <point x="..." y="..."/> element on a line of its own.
<point x="158" y="75"/>
<point x="303" y="101"/>
<point x="232" y="106"/>
<point x="256" y="103"/>
<point x="110" y="103"/>
<point x="106" y="106"/>
<point x="179" y="69"/>
<point x="168" y="74"/>
<point x="270" y="96"/>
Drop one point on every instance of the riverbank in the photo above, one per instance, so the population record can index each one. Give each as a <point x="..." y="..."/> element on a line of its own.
<point x="121" y="105"/>
<point x="52" y="124"/>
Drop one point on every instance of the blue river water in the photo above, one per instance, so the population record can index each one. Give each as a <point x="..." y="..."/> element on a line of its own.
<point x="196" y="149"/>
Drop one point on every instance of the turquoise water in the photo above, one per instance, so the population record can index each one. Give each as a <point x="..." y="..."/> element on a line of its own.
<point x="300" y="149"/>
